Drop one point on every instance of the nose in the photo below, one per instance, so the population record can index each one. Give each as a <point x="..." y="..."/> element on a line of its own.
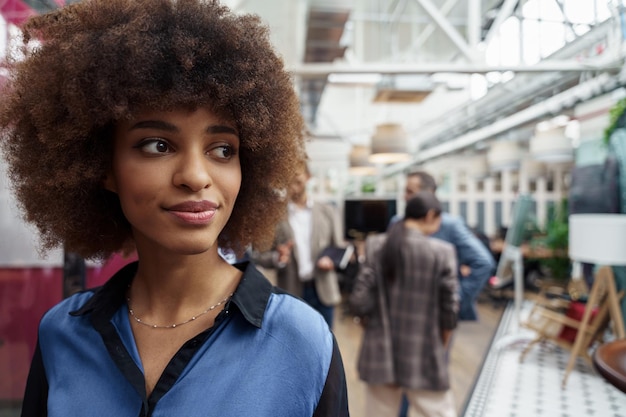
<point x="192" y="171"/>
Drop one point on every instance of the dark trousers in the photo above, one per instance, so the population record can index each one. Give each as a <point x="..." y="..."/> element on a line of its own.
<point x="309" y="294"/>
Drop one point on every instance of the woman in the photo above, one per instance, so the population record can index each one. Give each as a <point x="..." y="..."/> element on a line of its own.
<point x="164" y="127"/>
<point x="406" y="292"/>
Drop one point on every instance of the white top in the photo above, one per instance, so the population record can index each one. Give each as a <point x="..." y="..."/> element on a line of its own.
<point x="300" y="220"/>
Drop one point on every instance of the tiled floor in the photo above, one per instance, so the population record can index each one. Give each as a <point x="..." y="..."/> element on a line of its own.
<point x="506" y="387"/>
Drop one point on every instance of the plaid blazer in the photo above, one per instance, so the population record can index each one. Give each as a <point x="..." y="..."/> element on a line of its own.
<point x="402" y="336"/>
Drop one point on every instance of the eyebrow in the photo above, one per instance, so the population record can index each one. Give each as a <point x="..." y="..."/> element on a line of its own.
<point x="169" y="127"/>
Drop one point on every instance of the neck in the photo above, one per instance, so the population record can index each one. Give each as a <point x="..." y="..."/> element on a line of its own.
<point x="168" y="288"/>
<point x="300" y="202"/>
<point x="416" y="225"/>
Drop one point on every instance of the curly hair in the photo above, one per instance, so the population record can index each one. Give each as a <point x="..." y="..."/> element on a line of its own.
<point x="97" y="62"/>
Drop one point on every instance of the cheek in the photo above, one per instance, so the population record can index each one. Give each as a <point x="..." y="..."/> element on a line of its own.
<point x="230" y="184"/>
<point x="138" y="187"/>
<point x="235" y="186"/>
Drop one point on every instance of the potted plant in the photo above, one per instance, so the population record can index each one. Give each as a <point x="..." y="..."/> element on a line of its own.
<point x="555" y="238"/>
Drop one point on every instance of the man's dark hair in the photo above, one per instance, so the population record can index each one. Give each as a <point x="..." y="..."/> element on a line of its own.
<point x="393" y="257"/>
<point x="426" y="180"/>
<point x="420" y="204"/>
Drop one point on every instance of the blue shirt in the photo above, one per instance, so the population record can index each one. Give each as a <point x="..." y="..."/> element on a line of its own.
<point x="472" y="252"/>
<point x="268" y="354"/>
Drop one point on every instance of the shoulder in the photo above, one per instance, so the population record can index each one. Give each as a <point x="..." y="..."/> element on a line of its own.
<point x="60" y="317"/>
<point x="69" y="305"/>
<point x="441" y="246"/>
<point x="374" y="243"/>
<point x="298" y="335"/>
<point x="324" y="207"/>
<point x="291" y="321"/>
<point x="376" y="240"/>
<point x="451" y="221"/>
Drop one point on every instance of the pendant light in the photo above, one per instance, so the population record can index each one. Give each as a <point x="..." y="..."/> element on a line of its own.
<point x="551" y="145"/>
<point x="359" y="162"/>
<point x="389" y="144"/>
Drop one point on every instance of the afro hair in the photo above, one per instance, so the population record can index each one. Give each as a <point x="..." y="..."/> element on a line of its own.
<point x="90" y="64"/>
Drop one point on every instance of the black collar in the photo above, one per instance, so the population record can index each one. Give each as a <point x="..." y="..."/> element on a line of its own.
<point x="250" y="297"/>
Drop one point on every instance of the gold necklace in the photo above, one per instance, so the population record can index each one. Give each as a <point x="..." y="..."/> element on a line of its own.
<point x="172" y="326"/>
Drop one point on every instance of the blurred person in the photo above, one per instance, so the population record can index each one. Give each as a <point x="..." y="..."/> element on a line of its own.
<point x="163" y="127"/>
<point x="406" y="293"/>
<point x="475" y="261"/>
<point x="300" y="239"/>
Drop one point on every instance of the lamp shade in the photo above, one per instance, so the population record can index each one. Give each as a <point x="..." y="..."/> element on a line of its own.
<point x="477" y="166"/>
<point x="359" y="162"/>
<point x="551" y="145"/>
<point x="533" y="168"/>
<point x="598" y="238"/>
<point x="389" y="144"/>
<point x="504" y="156"/>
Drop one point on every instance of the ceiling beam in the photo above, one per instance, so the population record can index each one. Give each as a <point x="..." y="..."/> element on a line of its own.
<point x="313" y="70"/>
<point x="474" y="23"/>
<point x="552" y="105"/>
<point x="448" y="29"/>
<point x="505" y="12"/>
<point x="430" y="27"/>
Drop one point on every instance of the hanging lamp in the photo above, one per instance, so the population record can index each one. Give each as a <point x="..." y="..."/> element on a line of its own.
<point x="551" y="145"/>
<point x="389" y="144"/>
<point x="504" y="155"/>
<point x="359" y="161"/>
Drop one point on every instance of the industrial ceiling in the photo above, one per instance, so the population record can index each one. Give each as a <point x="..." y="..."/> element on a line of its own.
<point x="360" y="63"/>
<point x="418" y="60"/>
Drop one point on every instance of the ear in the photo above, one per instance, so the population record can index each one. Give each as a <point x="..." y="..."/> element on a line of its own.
<point x="109" y="182"/>
<point x="430" y="215"/>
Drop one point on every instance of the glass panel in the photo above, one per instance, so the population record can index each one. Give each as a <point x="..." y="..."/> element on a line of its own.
<point x="498" y="213"/>
<point x="463" y="212"/>
<point x="480" y="218"/>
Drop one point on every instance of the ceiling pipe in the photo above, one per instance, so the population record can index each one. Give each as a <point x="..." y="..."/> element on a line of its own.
<point x="552" y="105"/>
<point x="502" y="97"/>
<point x="561" y="60"/>
<point x="323" y="69"/>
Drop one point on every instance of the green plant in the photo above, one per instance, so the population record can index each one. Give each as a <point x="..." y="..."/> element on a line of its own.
<point x="556" y="238"/>
<point x="368" y="187"/>
<point x="616" y="114"/>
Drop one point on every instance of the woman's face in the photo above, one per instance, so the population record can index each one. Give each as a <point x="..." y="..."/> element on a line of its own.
<point x="177" y="175"/>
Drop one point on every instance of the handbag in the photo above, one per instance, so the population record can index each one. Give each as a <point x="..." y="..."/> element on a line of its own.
<point x="368" y="288"/>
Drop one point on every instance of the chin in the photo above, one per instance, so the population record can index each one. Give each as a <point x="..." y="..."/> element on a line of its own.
<point x="190" y="249"/>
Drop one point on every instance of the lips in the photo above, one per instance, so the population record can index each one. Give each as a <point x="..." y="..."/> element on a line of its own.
<point x="194" y="212"/>
<point x="194" y="206"/>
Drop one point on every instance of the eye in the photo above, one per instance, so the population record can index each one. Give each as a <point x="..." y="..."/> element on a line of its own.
<point x="155" y="146"/>
<point x="225" y="152"/>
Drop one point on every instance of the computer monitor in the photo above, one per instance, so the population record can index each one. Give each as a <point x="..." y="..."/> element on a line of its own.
<point x="364" y="216"/>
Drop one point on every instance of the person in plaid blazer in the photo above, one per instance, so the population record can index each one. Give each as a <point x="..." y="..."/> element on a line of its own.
<point x="407" y="295"/>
